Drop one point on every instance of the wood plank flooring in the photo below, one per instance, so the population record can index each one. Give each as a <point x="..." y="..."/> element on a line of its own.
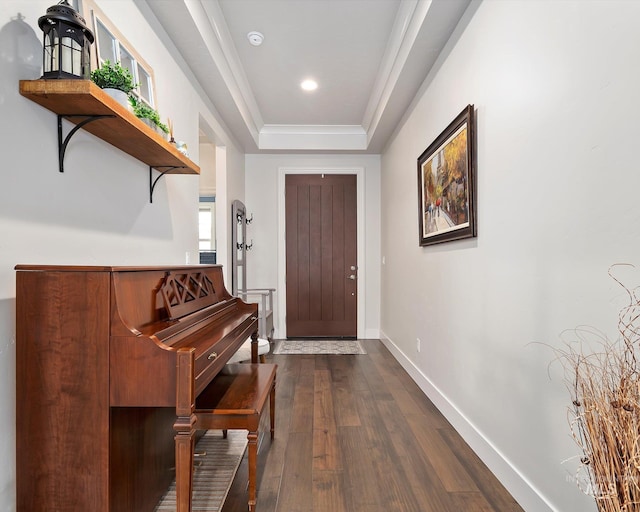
<point x="353" y="434"/>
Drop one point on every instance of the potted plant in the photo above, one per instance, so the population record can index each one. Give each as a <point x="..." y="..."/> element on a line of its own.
<point x="148" y="115"/>
<point x="116" y="80"/>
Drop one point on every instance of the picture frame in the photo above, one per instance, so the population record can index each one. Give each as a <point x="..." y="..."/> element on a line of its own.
<point x="447" y="183"/>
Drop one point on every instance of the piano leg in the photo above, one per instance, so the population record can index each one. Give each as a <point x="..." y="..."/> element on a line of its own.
<point x="184" y="470"/>
<point x="185" y="428"/>
<point x="254" y="347"/>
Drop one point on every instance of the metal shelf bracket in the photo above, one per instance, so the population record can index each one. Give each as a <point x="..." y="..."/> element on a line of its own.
<point x="152" y="182"/>
<point x="62" y="144"/>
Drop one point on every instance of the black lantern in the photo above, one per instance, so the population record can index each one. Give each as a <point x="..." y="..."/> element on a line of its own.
<point x="66" y="43"/>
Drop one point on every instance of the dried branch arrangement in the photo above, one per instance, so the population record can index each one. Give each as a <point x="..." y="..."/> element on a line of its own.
<point x="605" y="412"/>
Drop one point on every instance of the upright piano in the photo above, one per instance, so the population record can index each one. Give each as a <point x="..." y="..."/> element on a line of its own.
<point x="109" y="361"/>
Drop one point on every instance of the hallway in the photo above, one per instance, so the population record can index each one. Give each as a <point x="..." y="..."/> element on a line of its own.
<point x="353" y="434"/>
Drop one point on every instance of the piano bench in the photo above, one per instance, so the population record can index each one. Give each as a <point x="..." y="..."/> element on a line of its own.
<point x="235" y="399"/>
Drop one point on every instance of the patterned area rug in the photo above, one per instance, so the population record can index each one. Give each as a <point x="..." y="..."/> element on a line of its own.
<point x="213" y="473"/>
<point x="320" y="346"/>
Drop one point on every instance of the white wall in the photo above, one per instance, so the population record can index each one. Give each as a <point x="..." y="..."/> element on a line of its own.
<point x="207" y="169"/>
<point x="555" y="87"/>
<point x="264" y="198"/>
<point x="229" y="187"/>
<point x="98" y="210"/>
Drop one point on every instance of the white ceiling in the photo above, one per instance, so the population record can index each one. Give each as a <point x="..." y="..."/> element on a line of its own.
<point x="369" y="58"/>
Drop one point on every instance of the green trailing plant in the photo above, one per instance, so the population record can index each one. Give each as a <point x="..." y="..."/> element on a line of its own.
<point x="113" y="75"/>
<point x="144" y="111"/>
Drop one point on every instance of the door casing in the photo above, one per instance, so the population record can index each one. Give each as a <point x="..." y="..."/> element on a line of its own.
<point x="281" y="297"/>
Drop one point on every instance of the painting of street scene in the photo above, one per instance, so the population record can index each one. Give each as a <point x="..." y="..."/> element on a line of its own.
<point x="445" y="183"/>
<point x="446" y="195"/>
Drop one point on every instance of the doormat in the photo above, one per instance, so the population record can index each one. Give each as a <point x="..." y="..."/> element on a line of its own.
<point x="321" y="346"/>
<point x="213" y="471"/>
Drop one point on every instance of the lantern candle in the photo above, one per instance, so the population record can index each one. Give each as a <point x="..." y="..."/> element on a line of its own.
<point x="67" y="40"/>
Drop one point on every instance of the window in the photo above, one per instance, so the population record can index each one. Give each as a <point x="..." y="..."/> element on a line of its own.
<point x="112" y="46"/>
<point x="127" y="61"/>
<point x="107" y="46"/>
<point x="205" y="227"/>
<point x="207" y="223"/>
<point x="145" y="84"/>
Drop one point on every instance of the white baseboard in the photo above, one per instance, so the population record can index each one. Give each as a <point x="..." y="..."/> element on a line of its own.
<point x="520" y="488"/>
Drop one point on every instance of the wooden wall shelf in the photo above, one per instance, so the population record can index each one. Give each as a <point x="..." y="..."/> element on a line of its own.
<point x="80" y="100"/>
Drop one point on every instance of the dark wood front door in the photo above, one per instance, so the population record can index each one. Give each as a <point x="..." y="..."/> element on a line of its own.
<point x="321" y="245"/>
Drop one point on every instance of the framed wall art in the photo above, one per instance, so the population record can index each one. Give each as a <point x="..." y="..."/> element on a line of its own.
<point x="447" y="183"/>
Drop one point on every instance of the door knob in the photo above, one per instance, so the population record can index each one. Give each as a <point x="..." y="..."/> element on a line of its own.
<point x="352" y="276"/>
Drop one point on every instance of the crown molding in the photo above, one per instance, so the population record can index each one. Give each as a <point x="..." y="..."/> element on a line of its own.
<point x="209" y="20"/>
<point x="409" y="20"/>
<point x="313" y="137"/>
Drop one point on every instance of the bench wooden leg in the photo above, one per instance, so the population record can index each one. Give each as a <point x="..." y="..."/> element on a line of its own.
<point x="272" y="408"/>
<point x="252" y="438"/>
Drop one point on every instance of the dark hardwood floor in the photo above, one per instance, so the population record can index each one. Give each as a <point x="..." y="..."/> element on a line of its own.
<point x="355" y="433"/>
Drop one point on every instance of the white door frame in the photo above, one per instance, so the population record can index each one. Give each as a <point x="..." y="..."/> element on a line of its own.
<point x="282" y="249"/>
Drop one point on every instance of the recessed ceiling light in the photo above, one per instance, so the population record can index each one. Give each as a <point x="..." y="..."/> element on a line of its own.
<point x="255" y="38"/>
<point x="309" y="85"/>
